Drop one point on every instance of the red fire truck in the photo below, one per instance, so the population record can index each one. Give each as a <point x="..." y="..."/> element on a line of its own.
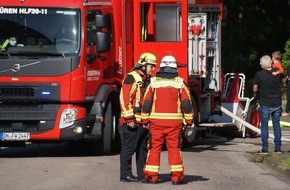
<point x="62" y="63"/>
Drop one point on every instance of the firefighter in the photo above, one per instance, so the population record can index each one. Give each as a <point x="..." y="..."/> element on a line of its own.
<point x="166" y="107"/>
<point x="134" y="135"/>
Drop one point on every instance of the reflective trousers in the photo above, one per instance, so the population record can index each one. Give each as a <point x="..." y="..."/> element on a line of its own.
<point x="173" y="139"/>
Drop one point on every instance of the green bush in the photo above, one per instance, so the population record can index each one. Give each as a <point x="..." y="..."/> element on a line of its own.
<point x="286" y="55"/>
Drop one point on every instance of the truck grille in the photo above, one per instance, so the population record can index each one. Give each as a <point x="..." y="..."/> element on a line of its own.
<point x="16" y="92"/>
<point x="29" y="92"/>
<point x="28" y="126"/>
<point x="27" y="117"/>
<point x="19" y="106"/>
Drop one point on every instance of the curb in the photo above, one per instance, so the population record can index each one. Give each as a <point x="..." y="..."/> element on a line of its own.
<point x="273" y="164"/>
<point x="276" y="165"/>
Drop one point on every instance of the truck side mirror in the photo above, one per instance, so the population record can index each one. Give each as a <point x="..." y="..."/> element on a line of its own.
<point x="103" y="21"/>
<point x="103" y="41"/>
<point x="103" y="35"/>
<point x="100" y="37"/>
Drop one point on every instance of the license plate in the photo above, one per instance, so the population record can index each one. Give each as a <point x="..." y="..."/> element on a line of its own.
<point x="14" y="136"/>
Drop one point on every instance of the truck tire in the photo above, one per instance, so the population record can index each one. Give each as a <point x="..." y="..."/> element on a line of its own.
<point x="253" y="118"/>
<point x="107" y="128"/>
<point x="116" y="135"/>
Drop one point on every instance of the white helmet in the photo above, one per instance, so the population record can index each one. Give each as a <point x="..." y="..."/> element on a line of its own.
<point x="168" y="61"/>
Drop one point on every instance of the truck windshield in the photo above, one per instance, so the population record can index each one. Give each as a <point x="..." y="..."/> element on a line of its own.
<point x="39" y="31"/>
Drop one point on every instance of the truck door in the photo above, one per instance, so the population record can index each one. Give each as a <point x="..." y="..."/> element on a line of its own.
<point x="160" y="30"/>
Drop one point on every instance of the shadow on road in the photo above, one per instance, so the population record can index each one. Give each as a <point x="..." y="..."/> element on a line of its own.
<point x="164" y="178"/>
<point x="67" y="149"/>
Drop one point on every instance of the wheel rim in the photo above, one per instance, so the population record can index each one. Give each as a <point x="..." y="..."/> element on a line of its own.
<point x="255" y="121"/>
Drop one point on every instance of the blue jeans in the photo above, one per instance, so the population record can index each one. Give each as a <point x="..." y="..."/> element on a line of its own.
<point x="275" y="113"/>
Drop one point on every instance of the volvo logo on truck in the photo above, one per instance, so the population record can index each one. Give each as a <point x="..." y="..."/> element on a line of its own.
<point x="16" y="68"/>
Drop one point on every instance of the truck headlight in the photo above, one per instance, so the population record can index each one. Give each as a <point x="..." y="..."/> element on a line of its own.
<point x="68" y="118"/>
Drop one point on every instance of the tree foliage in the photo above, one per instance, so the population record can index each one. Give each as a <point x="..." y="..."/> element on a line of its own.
<point x="286" y="55"/>
<point x="251" y="29"/>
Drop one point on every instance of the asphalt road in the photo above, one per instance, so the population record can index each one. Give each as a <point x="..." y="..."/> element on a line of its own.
<point x="213" y="163"/>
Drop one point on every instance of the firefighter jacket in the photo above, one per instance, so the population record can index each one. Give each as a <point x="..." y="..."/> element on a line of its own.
<point x="131" y="95"/>
<point x="167" y="102"/>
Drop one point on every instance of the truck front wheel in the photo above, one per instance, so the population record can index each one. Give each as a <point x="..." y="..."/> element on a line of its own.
<point x="107" y="128"/>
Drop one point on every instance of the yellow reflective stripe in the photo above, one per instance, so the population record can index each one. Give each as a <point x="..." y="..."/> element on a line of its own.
<point x="188" y="116"/>
<point x="127" y="113"/>
<point x="176" y="168"/>
<point x="158" y="82"/>
<point x="137" y="96"/>
<point x="121" y="98"/>
<point x="144" y="115"/>
<point x="137" y="77"/>
<point x="157" y="79"/>
<point x="124" y="110"/>
<point x="151" y="168"/>
<point x="138" y="117"/>
<point x="132" y="90"/>
<point x="166" y="115"/>
<point x="166" y="84"/>
<point x="139" y="82"/>
<point x="187" y="91"/>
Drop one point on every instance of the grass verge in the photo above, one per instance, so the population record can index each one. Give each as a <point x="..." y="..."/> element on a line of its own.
<point x="282" y="159"/>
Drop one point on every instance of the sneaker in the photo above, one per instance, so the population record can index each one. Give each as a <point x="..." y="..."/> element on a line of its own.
<point x="263" y="152"/>
<point x="278" y="151"/>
